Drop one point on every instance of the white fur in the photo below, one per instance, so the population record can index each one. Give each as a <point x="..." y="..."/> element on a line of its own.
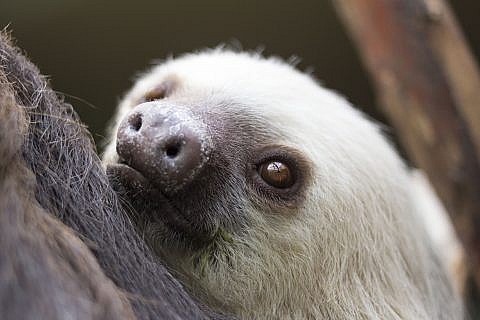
<point x="440" y="229"/>
<point x="356" y="249"/>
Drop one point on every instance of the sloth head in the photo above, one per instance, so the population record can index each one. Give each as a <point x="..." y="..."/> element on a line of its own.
<point x="267" y="194"/>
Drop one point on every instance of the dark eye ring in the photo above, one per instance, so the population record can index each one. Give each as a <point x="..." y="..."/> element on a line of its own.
<point x="276" y="173"/>
<point x="279" y="175"/>
<point x="160" y="91"/>
<point x="157" y="93"/>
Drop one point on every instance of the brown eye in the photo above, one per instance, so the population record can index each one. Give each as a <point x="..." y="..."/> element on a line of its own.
<point x="276" y="174"/>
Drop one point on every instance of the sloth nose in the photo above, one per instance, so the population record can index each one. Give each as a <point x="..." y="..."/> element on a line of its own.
<point x="165" y="144"/>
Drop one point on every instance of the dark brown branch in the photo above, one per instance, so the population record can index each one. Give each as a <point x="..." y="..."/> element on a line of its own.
<point x="428" y="84"/>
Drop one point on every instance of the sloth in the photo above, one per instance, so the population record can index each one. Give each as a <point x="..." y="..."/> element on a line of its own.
<point x="270" y="197"/>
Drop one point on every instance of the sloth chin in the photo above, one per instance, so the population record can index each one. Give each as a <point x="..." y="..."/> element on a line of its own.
<point x="151" y="210"/>
<point x="155" y="213"/>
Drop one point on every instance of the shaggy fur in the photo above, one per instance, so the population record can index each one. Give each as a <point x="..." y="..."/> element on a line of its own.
<point x="352" y="246"/>
<point x="45" y="271"/>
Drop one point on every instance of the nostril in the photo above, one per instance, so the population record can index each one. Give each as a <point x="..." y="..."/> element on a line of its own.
<point x="172" y="150"/>
<point x="136" y="121"/>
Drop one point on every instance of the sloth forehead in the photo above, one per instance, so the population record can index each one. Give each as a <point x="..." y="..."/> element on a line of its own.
<point x="246" y="76"/>
<point x="267" y="86"/>
<point x="311" y="119"/>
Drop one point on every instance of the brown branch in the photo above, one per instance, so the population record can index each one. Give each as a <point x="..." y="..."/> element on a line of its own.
<point x="428" y="84"/>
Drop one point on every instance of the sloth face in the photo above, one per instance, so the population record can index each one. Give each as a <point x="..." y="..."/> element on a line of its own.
<point x="192" y="172"/>
<point x="245" y="173"/>
<point x="194" y="157"/>
<point x="192" y="169"/>
<point x="207" y="144"/>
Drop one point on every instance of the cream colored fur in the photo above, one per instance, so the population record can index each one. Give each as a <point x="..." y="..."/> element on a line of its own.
<point x="356" y="249"/>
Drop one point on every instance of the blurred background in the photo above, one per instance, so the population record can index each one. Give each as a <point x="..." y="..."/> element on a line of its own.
<point x="92" y="49"/>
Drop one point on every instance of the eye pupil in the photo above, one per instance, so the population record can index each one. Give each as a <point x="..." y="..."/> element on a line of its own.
<point x="276" y="174"/>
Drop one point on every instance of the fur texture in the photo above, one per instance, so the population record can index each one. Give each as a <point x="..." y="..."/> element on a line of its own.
<point x="352" y="248"/>
<point x="51" y="180"/>
<point x="43" y="265"/>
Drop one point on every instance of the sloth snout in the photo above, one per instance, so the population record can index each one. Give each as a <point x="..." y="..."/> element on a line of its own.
<point x="165" y="144"/>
